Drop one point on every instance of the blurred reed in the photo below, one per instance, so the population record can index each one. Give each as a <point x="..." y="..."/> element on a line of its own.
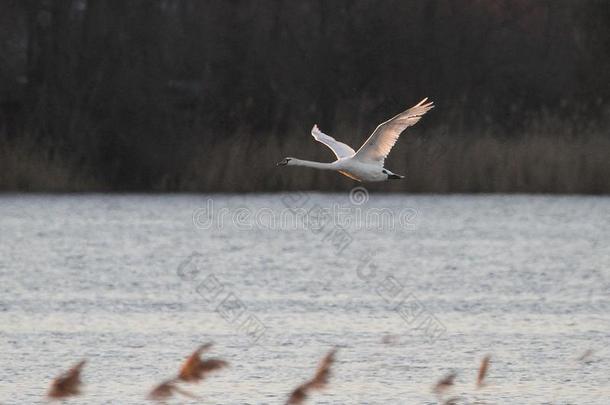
<point x="319" y="381"/>
<point x="68" y="384"/>
<point x="193" y="370"/>
<point x="483" y="369"/>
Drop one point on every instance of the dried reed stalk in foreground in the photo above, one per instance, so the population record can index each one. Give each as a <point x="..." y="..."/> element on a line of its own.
<point x="389" y="339"/>
<point x="67" y="384"/>
<point x="444" y="384"/>
<point x="168" y="388"/>
<point x="319" y="381"/>
<point x="586" y="356"/>
<point x="194" y="369"/>
<point x="483" y="371"/>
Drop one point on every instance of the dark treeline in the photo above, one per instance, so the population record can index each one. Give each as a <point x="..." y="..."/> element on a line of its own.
<point x="190" y="95"/>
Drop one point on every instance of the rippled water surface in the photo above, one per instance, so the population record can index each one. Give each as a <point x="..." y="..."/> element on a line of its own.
<point x="408" y="287"/>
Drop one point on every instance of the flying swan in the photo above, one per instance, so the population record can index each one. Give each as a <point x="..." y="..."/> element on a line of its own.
<point x="367" y="163"/>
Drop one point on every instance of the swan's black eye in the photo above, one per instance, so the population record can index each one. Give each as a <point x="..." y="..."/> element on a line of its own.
<point x="384" y="172"/>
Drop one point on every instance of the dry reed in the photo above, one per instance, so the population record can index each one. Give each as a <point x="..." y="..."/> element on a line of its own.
<point x="26" y="166"/>
<point x="483" y="371"/>
<point x="538" y="160"/>
<point x="167" y="389"/>
<point x="194" y="369"/>
<point x="444" y="384"/>
<point x="68" y="384"/>
<point x="318" y="382"/>
<point x="586" y="356"/>
<point x="546" y="155"/>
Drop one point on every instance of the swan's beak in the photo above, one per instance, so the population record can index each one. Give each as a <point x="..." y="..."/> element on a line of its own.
<point x="282" y="163"/>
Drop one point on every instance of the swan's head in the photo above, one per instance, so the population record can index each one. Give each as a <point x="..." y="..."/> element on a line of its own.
<point x="284" y="162"/>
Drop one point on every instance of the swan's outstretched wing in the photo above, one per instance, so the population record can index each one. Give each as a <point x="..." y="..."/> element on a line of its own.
<point x="339" y="148"/>
<point x="381" y="141"/>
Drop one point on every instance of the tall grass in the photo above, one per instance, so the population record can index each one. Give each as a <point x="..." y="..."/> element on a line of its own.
<point x="26" y="166"/>
<point x="548" y="155"/>
<point x="545" y="158"/>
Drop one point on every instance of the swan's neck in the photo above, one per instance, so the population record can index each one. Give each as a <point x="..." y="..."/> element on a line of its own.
<point x="309" y="163"/>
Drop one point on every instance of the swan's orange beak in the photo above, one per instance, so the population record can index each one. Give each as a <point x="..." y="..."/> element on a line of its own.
<point x="282" y="163"/>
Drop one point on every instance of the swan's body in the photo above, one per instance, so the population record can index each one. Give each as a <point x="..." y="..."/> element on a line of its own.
<point x="366" y="164"/>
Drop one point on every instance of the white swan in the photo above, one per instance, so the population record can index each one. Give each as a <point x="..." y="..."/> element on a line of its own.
<point x="367" y="163"/>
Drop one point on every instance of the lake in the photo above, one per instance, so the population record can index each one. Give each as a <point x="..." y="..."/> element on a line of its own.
<point x="409" y="288"/>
